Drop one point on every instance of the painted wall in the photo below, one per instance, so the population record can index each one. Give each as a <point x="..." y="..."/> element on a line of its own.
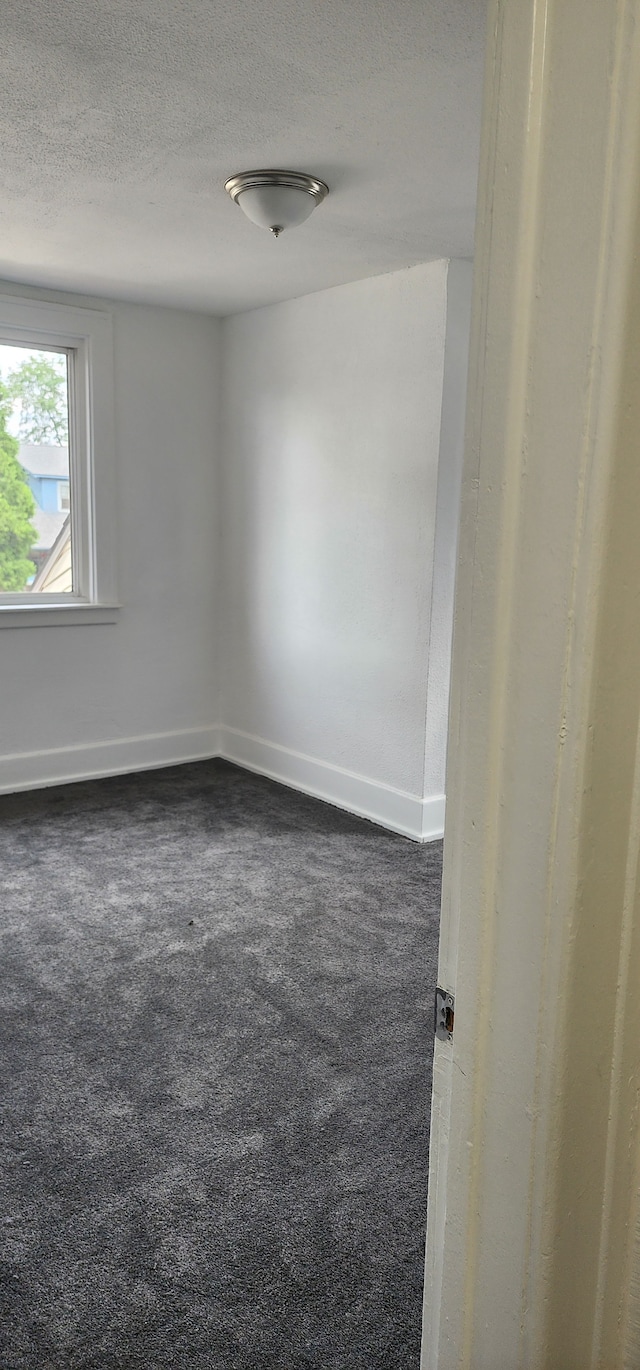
<point x="328" y="525"/>
<point x="454" y="389"/>
<point x="291" y="526"/>
<point x="90" y="698"/>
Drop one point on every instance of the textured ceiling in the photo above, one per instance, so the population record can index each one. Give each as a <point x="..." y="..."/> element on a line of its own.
<point x="121" y="120"/>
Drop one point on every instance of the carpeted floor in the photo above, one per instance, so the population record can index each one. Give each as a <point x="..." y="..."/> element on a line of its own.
<point x="216" y="1015"/>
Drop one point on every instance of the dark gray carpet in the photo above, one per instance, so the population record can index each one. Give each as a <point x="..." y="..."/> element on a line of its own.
<point x="216" y="1005"/>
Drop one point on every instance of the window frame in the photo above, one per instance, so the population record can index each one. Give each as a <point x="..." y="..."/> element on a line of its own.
<point x="85" y="333"/>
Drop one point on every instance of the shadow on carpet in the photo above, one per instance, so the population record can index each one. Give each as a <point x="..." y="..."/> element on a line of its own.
<point x="216" y="1002"/>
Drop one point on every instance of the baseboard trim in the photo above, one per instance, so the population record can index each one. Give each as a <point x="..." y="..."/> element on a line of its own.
<point x="408" y="814"/>
<point x="62" y="765"/>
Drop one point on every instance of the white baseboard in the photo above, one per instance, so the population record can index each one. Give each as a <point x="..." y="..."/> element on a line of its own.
<point x="58" y="766"/>
<point x="420" y="819"/>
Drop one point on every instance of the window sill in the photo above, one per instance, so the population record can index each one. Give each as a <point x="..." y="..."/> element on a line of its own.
<point x="56" y="615"/>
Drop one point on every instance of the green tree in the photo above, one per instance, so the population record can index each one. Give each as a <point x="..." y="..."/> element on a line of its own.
<point x="17" y="505"/>
<point x="40" y="383"/>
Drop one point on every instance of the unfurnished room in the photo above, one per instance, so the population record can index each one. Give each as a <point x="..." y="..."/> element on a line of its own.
<point x="236" y="245"/>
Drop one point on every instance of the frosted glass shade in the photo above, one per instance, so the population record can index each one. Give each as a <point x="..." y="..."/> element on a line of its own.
<point x="276" y="206"/>
<point x="276" y="199"/>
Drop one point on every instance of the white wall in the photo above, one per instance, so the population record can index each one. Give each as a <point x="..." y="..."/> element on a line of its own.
<point x="143" y="691"/>
<point x="328" y="507"/>
<point x="278" y="544"/>
<point x="454" y="389"/>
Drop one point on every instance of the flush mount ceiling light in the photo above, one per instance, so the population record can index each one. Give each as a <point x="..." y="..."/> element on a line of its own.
<point x="276" y="199"/>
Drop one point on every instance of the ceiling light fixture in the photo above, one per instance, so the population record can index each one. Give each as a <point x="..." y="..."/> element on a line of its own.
<point x="276" y="199"/>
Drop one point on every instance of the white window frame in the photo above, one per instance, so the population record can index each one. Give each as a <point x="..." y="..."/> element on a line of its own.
<point x="86" y="335"/>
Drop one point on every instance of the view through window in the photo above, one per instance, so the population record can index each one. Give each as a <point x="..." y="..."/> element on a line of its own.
<point x="35" y="489"/>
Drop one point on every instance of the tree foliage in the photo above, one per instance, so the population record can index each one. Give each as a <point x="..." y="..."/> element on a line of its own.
<point x="40" y="383"/>
<point x="17" y="505"/>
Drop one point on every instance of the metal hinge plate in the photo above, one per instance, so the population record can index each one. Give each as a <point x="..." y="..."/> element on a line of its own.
<point x="444" y="1015"/>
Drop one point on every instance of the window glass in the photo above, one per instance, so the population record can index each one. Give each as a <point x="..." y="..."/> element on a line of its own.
<point x="57" y="463"/>
<point x="36" y="554"/>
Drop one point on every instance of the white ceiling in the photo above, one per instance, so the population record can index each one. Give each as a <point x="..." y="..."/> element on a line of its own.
<point x="121" y="121"/>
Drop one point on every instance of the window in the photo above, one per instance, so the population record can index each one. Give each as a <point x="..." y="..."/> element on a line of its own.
<point x="57" y="493"/>
<point x="36" y="529"/>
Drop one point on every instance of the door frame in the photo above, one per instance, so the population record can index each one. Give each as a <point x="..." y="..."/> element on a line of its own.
<point x="534" y="1144"/>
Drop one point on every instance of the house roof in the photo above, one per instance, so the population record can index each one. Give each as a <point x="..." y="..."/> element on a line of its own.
<point x="43" y="459"/>
<point x="47" y="525"/>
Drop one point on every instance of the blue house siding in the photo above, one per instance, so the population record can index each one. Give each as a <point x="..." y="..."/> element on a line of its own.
<point x="46" y="491"/>
<point x="46" y="470"/>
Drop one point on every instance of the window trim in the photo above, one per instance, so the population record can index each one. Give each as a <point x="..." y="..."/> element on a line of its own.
<point x="86" y="334"/>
